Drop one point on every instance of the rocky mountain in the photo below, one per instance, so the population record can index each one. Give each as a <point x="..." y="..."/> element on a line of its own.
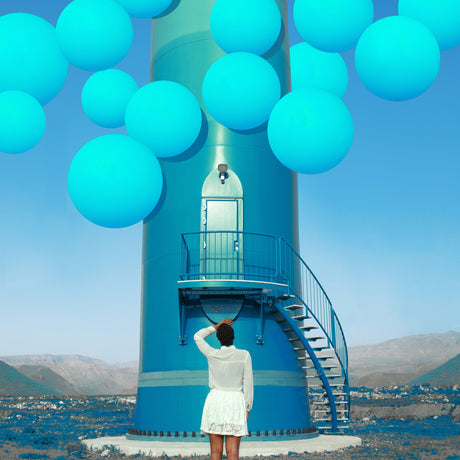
<point x="394" y="362"/>
<point x="398" y="361"/>
<point x="13" y="382"/>
<point x="45" y="376"/>
<point x="86" y="375"/>
<point x="383" y="379"/>
<point x="446" y="374"/>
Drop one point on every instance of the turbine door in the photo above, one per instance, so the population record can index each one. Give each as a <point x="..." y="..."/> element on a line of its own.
<point x="222" y="245"/>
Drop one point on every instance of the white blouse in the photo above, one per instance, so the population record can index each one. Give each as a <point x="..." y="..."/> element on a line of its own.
<point x="230" y="369"/>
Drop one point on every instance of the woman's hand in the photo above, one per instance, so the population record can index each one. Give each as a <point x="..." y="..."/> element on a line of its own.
<point x="247" y="415"/>
<point x="224" y="321"/>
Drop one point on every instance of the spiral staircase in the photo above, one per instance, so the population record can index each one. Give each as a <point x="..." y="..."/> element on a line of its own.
<point x="268" y="271"/>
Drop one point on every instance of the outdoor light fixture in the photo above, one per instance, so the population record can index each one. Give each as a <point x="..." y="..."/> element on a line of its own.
<point x="223" y="174"/>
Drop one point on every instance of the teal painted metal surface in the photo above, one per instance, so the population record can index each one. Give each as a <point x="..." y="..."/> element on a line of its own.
<point x="208" y="227"/>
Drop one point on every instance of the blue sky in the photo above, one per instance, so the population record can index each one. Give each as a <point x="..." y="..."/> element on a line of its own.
<point x="380" y="231"/>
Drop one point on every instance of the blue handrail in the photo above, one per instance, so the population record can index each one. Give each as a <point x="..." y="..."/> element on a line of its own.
<point x="308" y="289"/>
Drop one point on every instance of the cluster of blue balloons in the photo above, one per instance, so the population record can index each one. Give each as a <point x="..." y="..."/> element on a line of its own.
<point x="397" y="58"/>
<point x="241" y="88"/>
<point x="32" y="72"/>
<point x="310" y="129"/>
<point x="115" y="180"/>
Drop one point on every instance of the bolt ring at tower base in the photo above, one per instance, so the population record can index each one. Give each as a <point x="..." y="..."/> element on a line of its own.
<point x="184" y="436"/>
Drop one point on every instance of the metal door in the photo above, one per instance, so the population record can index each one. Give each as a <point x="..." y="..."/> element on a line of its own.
<point x="221" y="246"/>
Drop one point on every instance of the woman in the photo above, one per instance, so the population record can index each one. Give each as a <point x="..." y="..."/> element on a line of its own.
<point x="227" y="405"/>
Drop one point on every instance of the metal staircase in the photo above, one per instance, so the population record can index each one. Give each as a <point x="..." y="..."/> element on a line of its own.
<point x="300" y="305"/>
<point x="310" y="322"/>
<point x="327" y="389"/>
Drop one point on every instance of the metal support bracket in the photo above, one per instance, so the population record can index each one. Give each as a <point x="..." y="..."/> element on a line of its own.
<point x="261" y="324"/>
<point x="182" y="324"/>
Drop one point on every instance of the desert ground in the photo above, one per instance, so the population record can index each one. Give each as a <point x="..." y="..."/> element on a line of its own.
<point x="393" y="423"/>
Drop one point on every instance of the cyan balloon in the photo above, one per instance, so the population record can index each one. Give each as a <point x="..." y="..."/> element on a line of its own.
<point x="22" y="122"/>
<point x="397" y="58"/>
<point x="165" y="116"/>
<point x="145" y="8"/>
<point x="105" y="96"/>
<point x="312" y="68"/>
<point x="94" y="34"/>
<point x="332" y="25"/>
<point x="310" y="131"/>
<point x="30" y="59"/>
<point x="442" y="17"/>
<point x="240" y="90"/>
<point x="115" y="181"/>
<point x="242" y="25"/>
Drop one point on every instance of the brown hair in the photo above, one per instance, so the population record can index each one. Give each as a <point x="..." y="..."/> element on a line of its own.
<point x="225" y="334"/>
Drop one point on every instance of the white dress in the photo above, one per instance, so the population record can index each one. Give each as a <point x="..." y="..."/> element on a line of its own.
<point x="231" y="384"/>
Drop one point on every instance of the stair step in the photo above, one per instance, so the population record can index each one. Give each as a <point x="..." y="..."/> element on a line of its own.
<point x="329" y="420"/>
<point x="299" y="317"/>
<point x="332" y="385"/>
<point x="294" y="339"/>
<point x="312" y="339"/>
<point x="329" y="367"/>
<point x="323" y="358"/>
<point x="328" y="412"/>
<point x="320" y="347"/>
<point x="330" y="377"/>
<point x="326" y="366"/>
<point x="299" y="348"/>
<point x="284" y="297"/>
<point x="293" y="307"/>
<point x="327" y="428"/>
<point x="308" y="328"/>
<point x="303" y="328"/>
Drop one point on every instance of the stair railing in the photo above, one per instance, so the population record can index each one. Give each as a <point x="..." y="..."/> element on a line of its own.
<point x="306" y="287"/>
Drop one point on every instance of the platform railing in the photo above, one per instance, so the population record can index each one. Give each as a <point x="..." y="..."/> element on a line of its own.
<point x="229" y="255"/>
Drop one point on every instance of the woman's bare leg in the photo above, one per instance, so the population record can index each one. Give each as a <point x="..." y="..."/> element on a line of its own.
<point x="217" y="446"/>
<point x="232" y="447"/>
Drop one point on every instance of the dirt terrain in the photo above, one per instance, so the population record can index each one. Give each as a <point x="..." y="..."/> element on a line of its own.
<point x="393" y="423"/>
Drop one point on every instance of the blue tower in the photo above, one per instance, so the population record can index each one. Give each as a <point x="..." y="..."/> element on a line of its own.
<point x="224" y="242"/>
